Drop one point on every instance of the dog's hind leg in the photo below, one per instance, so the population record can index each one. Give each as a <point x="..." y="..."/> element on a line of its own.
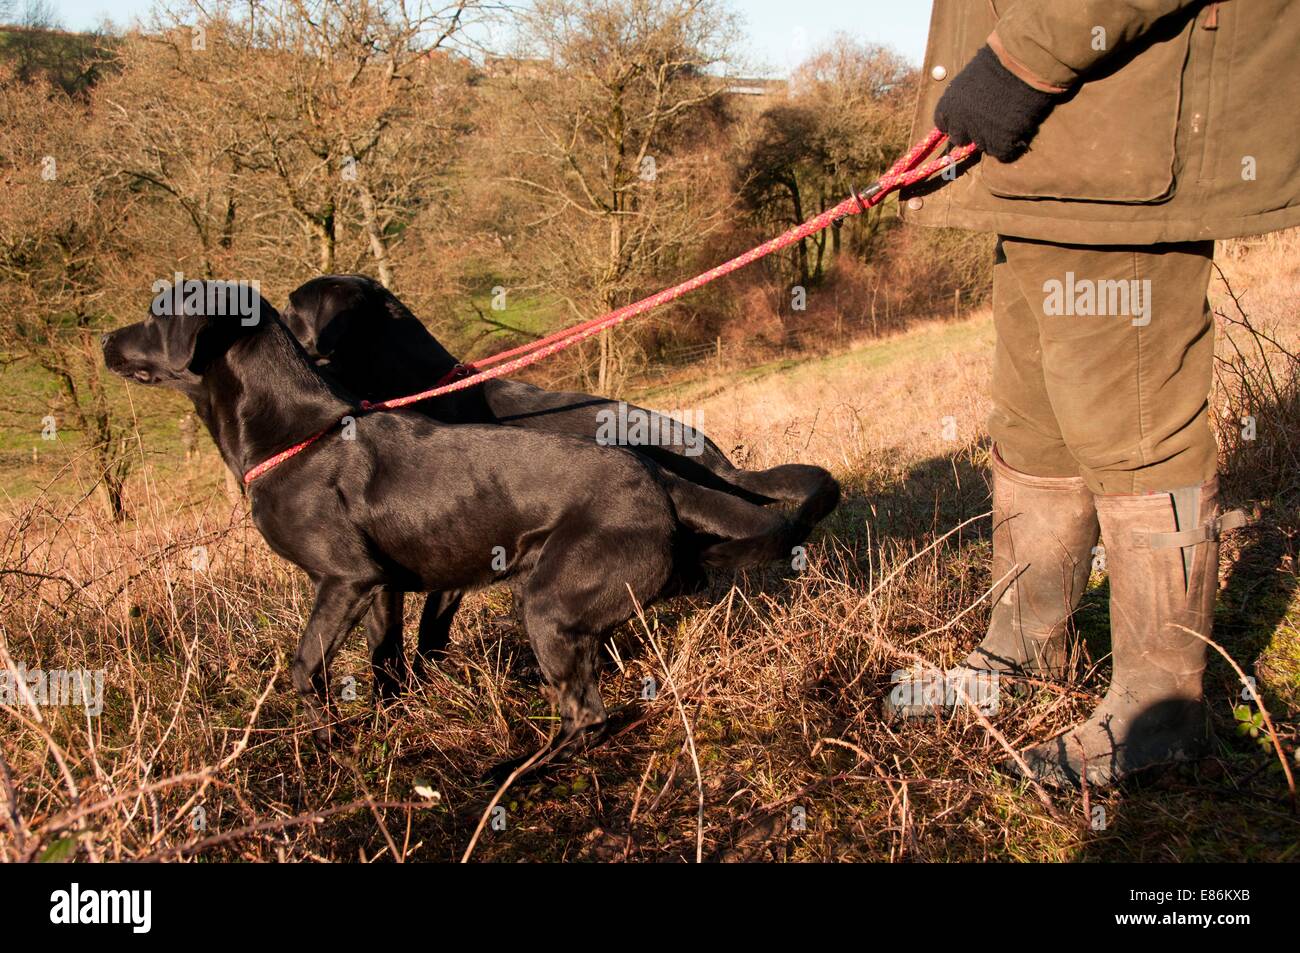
<point x="569" y="663"/>
<point x="340" y="604"/>
<point x="383" y="625"/>
<point x="435" y="631"/>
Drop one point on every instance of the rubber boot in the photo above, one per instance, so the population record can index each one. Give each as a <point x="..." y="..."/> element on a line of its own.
<point x="1163" y="560"/>
<point x="1044" y="533"/>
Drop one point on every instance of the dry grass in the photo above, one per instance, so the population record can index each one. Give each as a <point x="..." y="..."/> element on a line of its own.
<point x="774" y="681"/>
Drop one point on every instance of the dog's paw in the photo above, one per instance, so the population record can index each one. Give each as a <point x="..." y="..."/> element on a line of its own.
<point x="558" y="753"/>
<point x="499" y="773"/>
<point x="325" y="736"/>
<point x="337" y="734"/>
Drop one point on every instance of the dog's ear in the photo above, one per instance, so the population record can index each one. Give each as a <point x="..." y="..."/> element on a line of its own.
<point x="206" y="326"/>
<point x="181" y="340"/>
<point x="301" y="314"/>
<point x="324" y="312"/>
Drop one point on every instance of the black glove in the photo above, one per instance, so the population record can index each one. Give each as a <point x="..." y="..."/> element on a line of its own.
<point x="990" y="106"/>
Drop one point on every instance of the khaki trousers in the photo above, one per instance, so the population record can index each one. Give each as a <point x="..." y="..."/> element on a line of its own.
<point x="1104" y="363"/>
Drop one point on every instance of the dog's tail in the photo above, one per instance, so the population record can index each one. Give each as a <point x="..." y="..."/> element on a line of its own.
<point x="737" y="534"/>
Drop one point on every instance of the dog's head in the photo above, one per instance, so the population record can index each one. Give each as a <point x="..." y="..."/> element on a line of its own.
<point x="362" y="336"/>
<point x="189" y="325"/>
<point x="326" y="312"/>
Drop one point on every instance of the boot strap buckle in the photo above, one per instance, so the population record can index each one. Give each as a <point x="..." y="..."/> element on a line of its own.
<point x="1209" y="533"/>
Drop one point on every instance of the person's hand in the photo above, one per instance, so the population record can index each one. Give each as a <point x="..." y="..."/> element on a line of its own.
<point x="990" y="106"/>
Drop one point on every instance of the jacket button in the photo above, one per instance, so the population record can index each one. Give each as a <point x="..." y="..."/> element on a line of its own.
<point x="939" y="74"/>
<point x="915" y="203"/>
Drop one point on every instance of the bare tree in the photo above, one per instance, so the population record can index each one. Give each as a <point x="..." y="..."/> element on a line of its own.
<point x="37" y="15"/>
<point x="862" y="96"/>
<point x="167" y="134"/>
<point x="37" y="48"/>
<point x="206" y="147"/>
<point x="606" y="115"/>
<point x="342" y="106"/>
<point x="844" y="122"/>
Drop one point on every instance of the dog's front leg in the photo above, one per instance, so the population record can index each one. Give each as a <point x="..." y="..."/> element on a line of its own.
<point x="339" y="607"/>
<point x="383" y="625"/>
<point x="435" y="630"/>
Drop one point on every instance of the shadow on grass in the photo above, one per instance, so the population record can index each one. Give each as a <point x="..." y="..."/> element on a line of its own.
<point x="1233" y="806"/>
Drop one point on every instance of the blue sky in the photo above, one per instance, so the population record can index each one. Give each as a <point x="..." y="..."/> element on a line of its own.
<point x="780" y="32"/>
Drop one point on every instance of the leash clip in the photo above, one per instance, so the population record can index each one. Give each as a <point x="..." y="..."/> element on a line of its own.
<point x="861" y="197"/>
<point x="457" y="373"/>
<point x="862" y="206"/>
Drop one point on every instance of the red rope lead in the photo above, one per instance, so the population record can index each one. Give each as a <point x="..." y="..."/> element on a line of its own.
<point x="266" y="466"/>
<point x="908" y="170"/>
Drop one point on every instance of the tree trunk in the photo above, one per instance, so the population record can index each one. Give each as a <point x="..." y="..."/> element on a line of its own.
<point x="112" y="467"/>
<point x="801" y="249"/>
<point x="228" y="226"/>
<point x="611" y="296"/>
<point x="89" y="408"/>
<point x="109" y="490"/>
<point x="327" y="241"/>
<point x="819" y="243"/>
<point x="602" y="374"/>
<point x="374" y="232"/>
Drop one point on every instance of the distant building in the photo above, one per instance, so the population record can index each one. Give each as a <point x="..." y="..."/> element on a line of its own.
<point x="766" y="88"/>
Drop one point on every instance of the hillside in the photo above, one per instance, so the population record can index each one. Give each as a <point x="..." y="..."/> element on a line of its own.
<point x="781" y="676"/>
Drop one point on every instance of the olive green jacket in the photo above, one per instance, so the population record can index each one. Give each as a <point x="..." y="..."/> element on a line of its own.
<point x="1177" y="119"/>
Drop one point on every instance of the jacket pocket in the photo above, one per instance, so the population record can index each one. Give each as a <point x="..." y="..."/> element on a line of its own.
<point x="1114" y="138"/>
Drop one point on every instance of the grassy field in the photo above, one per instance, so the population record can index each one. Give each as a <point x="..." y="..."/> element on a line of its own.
<point x="766" y="740"/>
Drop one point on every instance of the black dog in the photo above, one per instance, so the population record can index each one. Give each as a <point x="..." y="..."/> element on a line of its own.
<point x="360" y="335"/>
<point x="400" y="502"/>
